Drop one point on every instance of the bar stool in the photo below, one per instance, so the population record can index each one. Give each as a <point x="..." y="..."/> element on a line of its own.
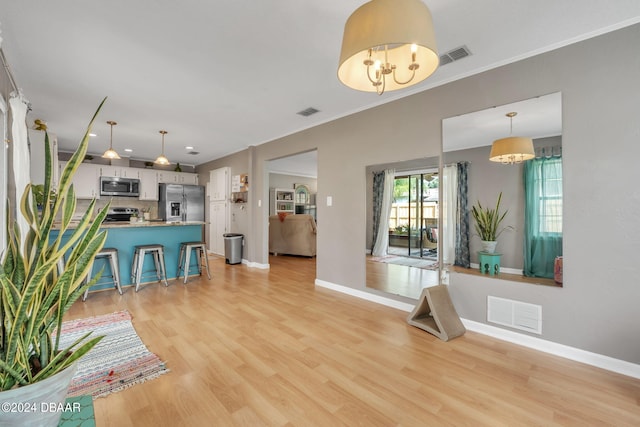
<point x="185" y="252"/>
<point x="157" y="251"/>
<point x="112" y="255"/>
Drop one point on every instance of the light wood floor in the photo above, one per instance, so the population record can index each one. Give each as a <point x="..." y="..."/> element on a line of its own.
<point x="399" y="279"/>
<point x="254" y="347"/>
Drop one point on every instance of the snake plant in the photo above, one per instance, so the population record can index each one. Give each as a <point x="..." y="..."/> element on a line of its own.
<point x="35" y="292"/>
<point x="487" y="220"/>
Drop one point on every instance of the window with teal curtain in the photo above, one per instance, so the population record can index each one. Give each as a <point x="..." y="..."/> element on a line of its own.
<point x="543" y="215"/>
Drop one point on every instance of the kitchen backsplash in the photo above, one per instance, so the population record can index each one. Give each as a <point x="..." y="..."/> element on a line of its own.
<point x="126" y="202"/>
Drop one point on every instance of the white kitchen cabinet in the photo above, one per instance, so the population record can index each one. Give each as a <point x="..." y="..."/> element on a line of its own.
<point x="188" y="178"/>
<point x="86" y="180"/>
<point x="148" y="184"/>
<point x="169" y="177"/>
<point x="111" y="171"/>
<point x="130" y="172"/>
<point x="119" y="171"/>
<point x="219" y="184"/>
<point x="37" y="156"/>
<point x="218" y="225"/>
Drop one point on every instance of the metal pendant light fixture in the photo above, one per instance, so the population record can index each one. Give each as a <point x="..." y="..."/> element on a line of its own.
<point x="513" y="149"/>
<point x="162" y="159"/>
<point x="111" y="153"/>
<point x="388" y="45"/>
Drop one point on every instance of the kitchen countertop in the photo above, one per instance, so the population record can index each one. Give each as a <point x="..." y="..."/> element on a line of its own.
<point x="124" y="224"/>
<point x="148" y="224"/>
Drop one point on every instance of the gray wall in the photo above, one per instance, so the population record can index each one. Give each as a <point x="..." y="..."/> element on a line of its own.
<point x="596" y="310"/>
<point x="485" y="180"/>
<point x="278" y="180"/>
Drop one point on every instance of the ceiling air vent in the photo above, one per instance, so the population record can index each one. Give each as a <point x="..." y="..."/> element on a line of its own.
<point x="454" y="55"/>
<point x="307" y="112"/>
<point x="193" y="153"/>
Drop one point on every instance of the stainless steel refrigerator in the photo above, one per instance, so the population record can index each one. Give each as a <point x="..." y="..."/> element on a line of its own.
<point x="179" y="202"/>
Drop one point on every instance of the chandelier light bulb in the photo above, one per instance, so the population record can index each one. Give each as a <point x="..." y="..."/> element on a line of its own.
<point x="388" y="45"/>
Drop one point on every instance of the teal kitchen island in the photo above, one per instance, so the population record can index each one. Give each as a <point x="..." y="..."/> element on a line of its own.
<point x="125" y="236"/>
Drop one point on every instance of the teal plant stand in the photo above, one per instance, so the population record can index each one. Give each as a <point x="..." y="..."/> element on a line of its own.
<point x="489" y="263"/>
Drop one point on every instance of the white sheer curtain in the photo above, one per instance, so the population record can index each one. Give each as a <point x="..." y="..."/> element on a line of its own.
<point x="4" y="177"/>
<point x="20" y="149"/>
<point x="449" y="207"/>
<point x="382" y="239"/>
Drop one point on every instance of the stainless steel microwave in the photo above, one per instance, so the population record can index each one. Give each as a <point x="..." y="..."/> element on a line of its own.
<point x="116" y="186"/>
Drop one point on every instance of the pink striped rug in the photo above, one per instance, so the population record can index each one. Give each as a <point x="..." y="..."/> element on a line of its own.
<point x="120" y="360"/>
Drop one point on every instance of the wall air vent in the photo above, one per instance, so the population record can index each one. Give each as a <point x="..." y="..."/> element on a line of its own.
<point x="307" y="112"/>
<point x="454" y="55"/>
<point x="515" y="314"/>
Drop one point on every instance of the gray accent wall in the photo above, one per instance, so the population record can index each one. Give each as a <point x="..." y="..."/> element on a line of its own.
<point x="486" y="180"/>
<point x="597" y="309"/>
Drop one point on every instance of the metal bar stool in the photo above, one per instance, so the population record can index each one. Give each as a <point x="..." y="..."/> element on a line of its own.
<point x="112" y="255"/>
<point x="185" y="252"/>
<point x="157" y="251"/>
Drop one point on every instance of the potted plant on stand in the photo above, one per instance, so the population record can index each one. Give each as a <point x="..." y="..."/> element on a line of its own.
<point x="487" y="224"/>
<point x="37" y="290"/>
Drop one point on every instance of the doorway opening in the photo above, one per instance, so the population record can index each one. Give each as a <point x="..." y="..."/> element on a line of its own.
<point x="293" y="184"/>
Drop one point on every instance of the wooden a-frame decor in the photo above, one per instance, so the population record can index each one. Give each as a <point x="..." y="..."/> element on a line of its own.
<point x="436" y="314"/>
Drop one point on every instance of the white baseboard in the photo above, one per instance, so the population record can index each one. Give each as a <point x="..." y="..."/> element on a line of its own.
<point x="571" y="353"/>
<point x="255" y="264"/>
<point x="366" y="296"/>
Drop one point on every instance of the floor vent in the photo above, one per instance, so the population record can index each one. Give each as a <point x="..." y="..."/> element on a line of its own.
<point x="454" y="55"/>
<point x="515" y="314"/>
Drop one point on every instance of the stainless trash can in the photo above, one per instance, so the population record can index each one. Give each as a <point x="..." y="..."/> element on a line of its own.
<point x="233" y="243"/>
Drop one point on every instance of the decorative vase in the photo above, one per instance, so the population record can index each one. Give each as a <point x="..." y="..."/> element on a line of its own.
<point x="488" y="246"/>
<point x="39" y="404"/>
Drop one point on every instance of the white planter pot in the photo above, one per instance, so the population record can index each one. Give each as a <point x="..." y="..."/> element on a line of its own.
<point x="39" y="404"/>
<point x="488" y="246"/>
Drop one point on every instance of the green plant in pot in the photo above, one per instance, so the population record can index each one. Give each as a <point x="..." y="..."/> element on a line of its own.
<point x="487" y="224"/>
<point x="36" y="293"/>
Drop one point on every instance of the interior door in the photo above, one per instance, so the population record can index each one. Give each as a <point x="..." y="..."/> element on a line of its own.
<point x="217" y="226"/>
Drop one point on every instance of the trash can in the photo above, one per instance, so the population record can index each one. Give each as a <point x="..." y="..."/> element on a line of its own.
<point x="233" y="243"/>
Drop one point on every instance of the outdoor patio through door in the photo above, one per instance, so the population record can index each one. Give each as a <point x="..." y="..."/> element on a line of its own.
<point x="413" y="222"/>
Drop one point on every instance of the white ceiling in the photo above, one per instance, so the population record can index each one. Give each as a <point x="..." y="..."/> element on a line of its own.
<point x="536" y="118"/>
<point x="222" y="75"/>
<point x="302" y="164"/>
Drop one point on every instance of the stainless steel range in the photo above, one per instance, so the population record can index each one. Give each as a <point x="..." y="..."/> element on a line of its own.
<point x="120" y="214"/>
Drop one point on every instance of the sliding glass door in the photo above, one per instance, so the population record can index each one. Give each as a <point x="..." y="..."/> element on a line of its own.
<point x="414" y="215"/>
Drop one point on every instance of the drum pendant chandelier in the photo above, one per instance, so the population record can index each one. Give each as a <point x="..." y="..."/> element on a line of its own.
<point x="388" y="45"/>
<point x="512" y="149"/>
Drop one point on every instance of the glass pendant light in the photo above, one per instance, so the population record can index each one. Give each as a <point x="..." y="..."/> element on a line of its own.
<point x="162" y="159"/>
<point x="111" y="153"/>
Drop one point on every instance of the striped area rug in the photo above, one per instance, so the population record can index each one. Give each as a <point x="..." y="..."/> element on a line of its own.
<point x="119" y="361"/>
